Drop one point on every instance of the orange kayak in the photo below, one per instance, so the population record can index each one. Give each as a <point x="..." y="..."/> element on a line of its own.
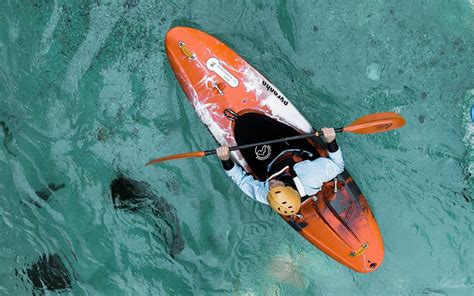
<point x="240" y="106"/>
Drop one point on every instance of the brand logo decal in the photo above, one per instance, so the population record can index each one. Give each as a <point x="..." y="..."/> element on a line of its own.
<point x="383" y="126"/>
<point x="215" y="66"/>
<point x="271" y="89"/>
<point x="263" y="152"/>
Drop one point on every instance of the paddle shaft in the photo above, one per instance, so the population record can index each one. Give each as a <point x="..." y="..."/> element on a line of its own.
<point x="368" y="124"/>
<point x="298" y="137"/>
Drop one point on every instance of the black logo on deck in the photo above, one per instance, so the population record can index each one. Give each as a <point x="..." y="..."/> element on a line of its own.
<point x="263" y="152"/>
<point x="274" y="92"/>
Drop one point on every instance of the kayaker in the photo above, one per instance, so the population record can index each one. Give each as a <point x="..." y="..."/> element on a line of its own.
<point x="283" y="189"/>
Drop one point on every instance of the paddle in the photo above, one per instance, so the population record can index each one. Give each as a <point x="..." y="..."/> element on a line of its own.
<point x="368" y="124"/>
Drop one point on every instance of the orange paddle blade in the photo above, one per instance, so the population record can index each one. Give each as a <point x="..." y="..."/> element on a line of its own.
<point x="376" y="123"/>
<point x="177" y="156"/>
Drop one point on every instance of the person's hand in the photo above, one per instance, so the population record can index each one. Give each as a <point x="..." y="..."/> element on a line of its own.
<point x="223" y="153"/>
<point x="329" y="134"/>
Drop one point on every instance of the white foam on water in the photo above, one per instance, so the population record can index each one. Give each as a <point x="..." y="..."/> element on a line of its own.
<point x="286" y="270"/>
<point x="468" y="138"/>
<point x="47" y="36"/>
<point x="13" y="29"/>
<point x="102" y="22"/>
<point x="374" y="71"/>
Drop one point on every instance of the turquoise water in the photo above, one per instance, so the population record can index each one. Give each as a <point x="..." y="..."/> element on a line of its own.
<point x="87" y="94"/>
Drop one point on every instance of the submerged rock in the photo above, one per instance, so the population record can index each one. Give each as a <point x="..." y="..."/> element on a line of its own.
<point x="308" y="72"/>
<point x="8" y="136"/>
<point x="135" y="195"/>
<point x="131" y="3"/>
<point x="173" y="185"/>
<point x="45" y="194"/>
<point x="49" y="273"/>
<point x="170" y="228"/>
<point x="103" y="134"/>
<point x="421" y="118"/>
<point x="129" y="194"/>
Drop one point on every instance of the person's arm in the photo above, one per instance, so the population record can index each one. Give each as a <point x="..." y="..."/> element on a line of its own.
<point x="253" y="188"/>
<point x="337" y="165"/>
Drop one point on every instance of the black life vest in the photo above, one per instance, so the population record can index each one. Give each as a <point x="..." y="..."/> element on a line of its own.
<point x="281" y="169"/>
